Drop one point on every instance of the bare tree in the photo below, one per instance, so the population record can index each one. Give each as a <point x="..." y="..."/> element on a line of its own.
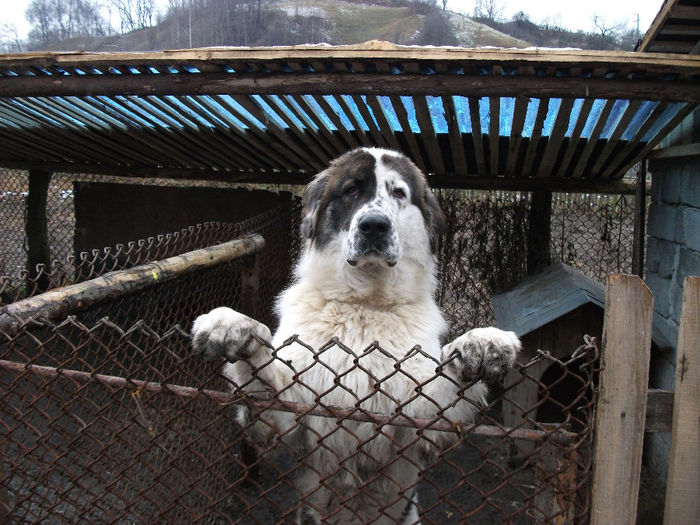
<point x="488" y="9"/>
<point x="604" y="29"/>
<point x="10" y="41"/>
<point x="54" y="20"/>
<point x="134" y="14"/>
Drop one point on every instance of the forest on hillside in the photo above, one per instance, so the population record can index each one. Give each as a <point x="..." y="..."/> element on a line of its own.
<point x="116" y="25"/>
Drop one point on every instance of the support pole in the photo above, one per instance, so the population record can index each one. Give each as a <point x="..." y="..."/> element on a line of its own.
<point x="539" y="232"/>
<point x="640" y="208"/>
<point x="36" y="231"/>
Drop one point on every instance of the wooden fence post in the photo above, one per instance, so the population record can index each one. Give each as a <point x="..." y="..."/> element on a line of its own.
<point x="682" y="496"/>
<point x="622" y="398"/>
<point x="36" y="230"/>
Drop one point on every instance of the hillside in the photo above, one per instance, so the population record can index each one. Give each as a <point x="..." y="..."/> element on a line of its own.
<point x="290" y="22"/>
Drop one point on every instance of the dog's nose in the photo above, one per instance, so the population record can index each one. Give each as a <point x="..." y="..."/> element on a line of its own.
<point x="374" y="226"/>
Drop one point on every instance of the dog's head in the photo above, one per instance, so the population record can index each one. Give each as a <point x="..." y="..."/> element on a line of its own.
<point x="376" y="203"/>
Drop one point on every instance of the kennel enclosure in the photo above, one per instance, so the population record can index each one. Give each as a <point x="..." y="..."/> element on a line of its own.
<point x="108" y="416"/>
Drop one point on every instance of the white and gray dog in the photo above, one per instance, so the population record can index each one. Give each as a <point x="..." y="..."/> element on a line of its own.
<point x="367" y="274"/>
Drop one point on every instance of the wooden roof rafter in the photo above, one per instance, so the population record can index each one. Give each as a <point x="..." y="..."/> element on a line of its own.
<point x="469" y="117"/>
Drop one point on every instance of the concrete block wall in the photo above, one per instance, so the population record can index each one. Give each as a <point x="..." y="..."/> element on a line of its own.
<point x="673" y="239"/>
<point x="673" y="252"/>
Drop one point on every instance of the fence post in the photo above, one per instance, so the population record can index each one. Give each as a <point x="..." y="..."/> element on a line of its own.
<point x="682" y="501"/>
<point x="622" y="397"/>
<point x="36" y="230"/>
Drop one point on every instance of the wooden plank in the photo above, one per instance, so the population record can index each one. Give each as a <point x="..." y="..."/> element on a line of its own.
<point x="374" y="51"/>
<point x="531" y="152"/>
<point x="675" y="152"/>
<point x="309" y="115"/>
<point x="677" y="119"/>
<point x="593" y="140"/>
<point x="639" y="234"/>
<point x="621" y="407"/>
<point x="656" y="26"/>
<point x="519" y="113"/>
<point x="350" y="141"/>
<point x="367" y="116"/>
<point x="308" y="136"/>
<point x="625" y="119"/>
<point x="583" y="114"/>
<point x="459" y="158"/>
<point x="264" y="176"/>
<point x="494" y="133"/>
<point x="410" y="137"/>
<point x="384" y="126"/>
<point x="355" y="120"/>
<point x="555" y="138"/>
<point x="334" y="83"/>
<point x="428" y="134"/>
<point x="648" y="123"/>
<point x="682" y="501"/>
<point x="475" y="117"/>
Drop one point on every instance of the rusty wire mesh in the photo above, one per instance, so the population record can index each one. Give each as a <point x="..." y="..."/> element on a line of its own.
<point x="95" y="436"/>
<point x="102" y="425"/>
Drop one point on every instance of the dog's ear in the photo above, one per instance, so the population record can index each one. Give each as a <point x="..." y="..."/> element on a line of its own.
<point x="310" y="203"/>
<point x="435" y="219"/>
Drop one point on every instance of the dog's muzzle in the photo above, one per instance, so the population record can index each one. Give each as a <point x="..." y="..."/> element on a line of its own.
<point x="374" y="236"/>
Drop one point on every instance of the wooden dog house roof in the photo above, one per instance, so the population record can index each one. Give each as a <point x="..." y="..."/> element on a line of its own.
<point x="475" y="118"/>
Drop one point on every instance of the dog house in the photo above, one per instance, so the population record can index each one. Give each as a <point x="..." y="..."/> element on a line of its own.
<point x="109" y="419"/>
<point x="551" y="312"/>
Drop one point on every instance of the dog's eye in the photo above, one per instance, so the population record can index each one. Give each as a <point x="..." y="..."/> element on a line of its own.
<point x="353" y="190"/>
<point x="398" y="193"/>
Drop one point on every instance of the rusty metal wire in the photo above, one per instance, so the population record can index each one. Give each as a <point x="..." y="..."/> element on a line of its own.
<point x="106" y="417"/>
<point x="102" y="424"/>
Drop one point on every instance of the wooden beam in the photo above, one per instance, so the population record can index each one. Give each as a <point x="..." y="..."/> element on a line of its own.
<point x="205" y="58"/>
<point x="611" y="186"/>
<point x="36" y="231"/>
<point x="354" y="84"/>
<point x="56" y="304"/>
<point x="656" y="25"/>
<point x="682" y="502"/>
<point x="622" y="397"/>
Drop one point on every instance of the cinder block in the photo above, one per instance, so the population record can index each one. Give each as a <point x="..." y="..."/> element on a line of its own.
<point x="690" y="229"/>
<point x="668" y="258"/>
<point x="661" y="288"/>
<point x="671" y="185"/>
<point x="652" y="255"/>
<point x="690" y="194"/>
<point x="664" y="221"/>
<point x="688" y="264"/>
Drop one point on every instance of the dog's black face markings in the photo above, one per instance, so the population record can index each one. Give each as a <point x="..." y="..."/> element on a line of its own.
<point x="350" y="182"/>
<point x="335" y="195"/>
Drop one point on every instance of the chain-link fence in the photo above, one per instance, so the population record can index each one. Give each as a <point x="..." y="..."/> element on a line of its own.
<point x="107" y="417"/>
<point x="114" y="421"/>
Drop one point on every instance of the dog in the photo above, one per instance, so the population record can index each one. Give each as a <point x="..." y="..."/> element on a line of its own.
<point x="368" y="335"/>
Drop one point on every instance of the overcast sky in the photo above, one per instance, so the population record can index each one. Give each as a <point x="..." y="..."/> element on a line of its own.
<point x="569" y="14"/>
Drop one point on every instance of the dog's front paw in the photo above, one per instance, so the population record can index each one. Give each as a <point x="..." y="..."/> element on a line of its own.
<point x="482" y="353"/>
<point x="223" y="332"/>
